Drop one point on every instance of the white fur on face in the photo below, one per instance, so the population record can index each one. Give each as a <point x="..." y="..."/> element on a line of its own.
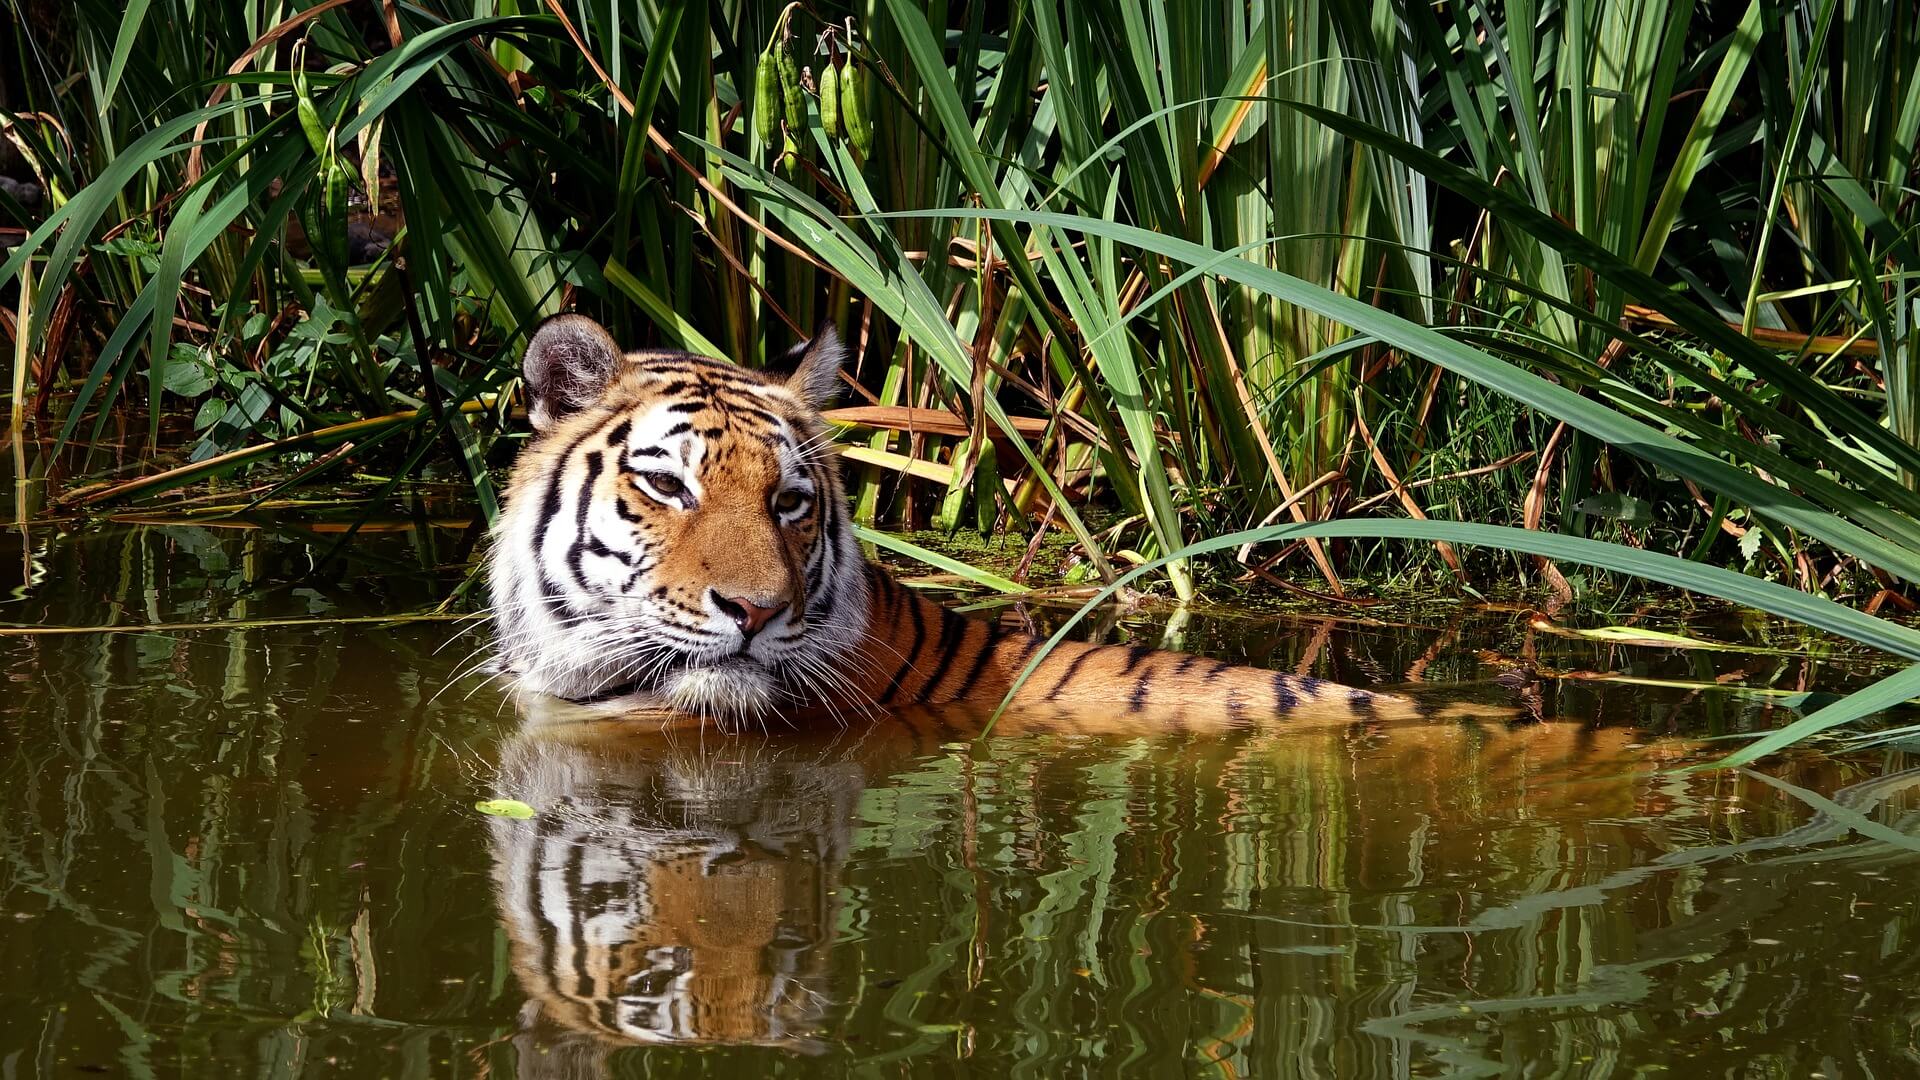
<point x="729" y="689"/>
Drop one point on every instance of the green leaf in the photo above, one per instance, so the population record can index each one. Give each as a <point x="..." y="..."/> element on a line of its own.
<point x="209" y="413"/>
<point x="189" y="371"/>
<point x="938" y="561"/>
<point x="123" y="45"/>
<point x="507" y="808"/>
<point x="1617" y="506"/>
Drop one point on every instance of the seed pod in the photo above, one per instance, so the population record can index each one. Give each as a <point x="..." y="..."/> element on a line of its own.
<point x="766" y="83"/>
<point x="853" y="107"/>
<point x="323" y="214"/>
<point x="790" y="158"/>
<point x="303" y="106"/>
<point x="830" y="101"/>
<point x="795" y="97"/>
<point x="334" y="207"/>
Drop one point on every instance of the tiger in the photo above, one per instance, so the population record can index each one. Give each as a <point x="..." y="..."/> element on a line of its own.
<point x="676" y="537"/>
<point x="679" y="891"/>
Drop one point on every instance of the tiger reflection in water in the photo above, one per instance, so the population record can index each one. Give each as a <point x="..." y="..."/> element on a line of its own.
<point x="680" y="889"/>
<point x="670" y="891"/>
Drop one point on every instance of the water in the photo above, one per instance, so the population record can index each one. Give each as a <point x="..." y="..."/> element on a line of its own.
<point x="254" y="852"/>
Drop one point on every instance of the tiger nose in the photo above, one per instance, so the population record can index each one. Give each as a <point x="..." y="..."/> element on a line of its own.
<point x="746" y="614"/>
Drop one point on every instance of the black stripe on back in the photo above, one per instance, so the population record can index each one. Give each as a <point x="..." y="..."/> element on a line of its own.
<point x="1284" y="697"/>
<point x="953" y="631"/>
<point x="1072" y="670"/>
<point x="906" y="659"/>
<point x="987" y="650"/>
<point x="1028" y="646"/>
<point x="1137" y="700"/>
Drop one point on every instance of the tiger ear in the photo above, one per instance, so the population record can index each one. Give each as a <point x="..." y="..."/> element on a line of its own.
<point x="569" y="363"/>
<point x="816" y="367"/>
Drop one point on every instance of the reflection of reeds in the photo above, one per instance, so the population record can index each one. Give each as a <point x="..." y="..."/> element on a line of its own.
<point x="194" y="824"/>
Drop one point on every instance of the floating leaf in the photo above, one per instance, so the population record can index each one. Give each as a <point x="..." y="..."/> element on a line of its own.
<point x="508" y="808"/>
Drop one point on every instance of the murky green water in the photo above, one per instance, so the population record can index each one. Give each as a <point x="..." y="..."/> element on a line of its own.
<point x="254" y="852"/>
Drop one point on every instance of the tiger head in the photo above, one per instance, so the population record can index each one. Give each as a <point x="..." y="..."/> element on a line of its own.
<point x="676" y="530"/>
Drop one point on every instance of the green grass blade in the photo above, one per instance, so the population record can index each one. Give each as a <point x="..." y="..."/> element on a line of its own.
<point x="1685" y="168"/>
<point x="122" y="46"/>
<point x="1887" y="693"/>
<point x="936" y="560"/>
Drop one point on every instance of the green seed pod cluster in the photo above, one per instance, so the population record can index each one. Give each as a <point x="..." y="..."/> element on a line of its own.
<point x="780" y="98"/>
<point x="843" y="104"/>
<point x="766" y="83"/>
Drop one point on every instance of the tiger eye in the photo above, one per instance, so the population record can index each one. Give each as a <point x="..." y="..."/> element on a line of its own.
<point x="789" y="501"/>
<point x="666" y="484"/>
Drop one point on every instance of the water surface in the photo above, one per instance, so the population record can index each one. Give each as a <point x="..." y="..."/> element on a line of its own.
<point x="253" y="851"/>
